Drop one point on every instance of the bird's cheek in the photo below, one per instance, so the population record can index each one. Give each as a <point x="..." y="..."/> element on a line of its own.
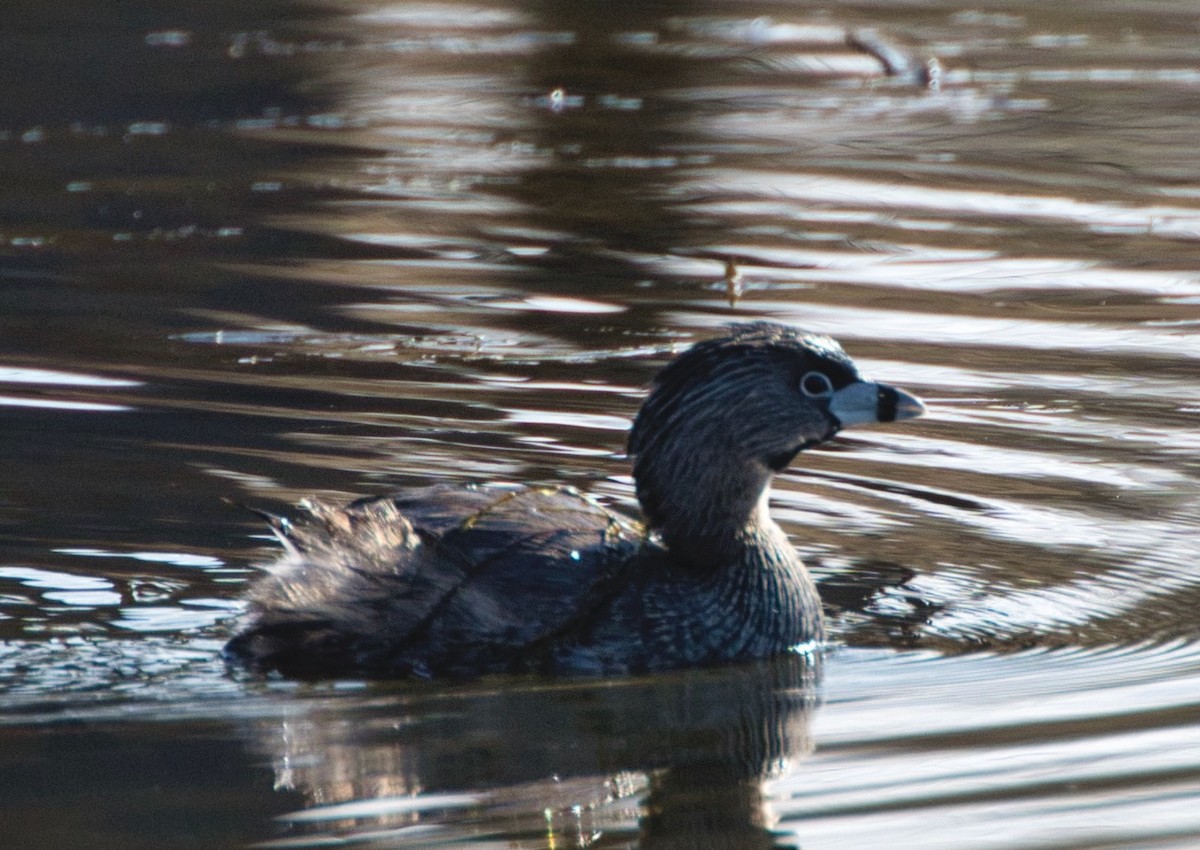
<point x="781" y="461"/>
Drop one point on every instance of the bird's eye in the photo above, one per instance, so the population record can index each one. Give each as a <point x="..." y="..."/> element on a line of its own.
<point x="816" y="385"/>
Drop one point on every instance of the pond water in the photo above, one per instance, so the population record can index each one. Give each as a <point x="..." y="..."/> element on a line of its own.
<point x="254" y="251"/>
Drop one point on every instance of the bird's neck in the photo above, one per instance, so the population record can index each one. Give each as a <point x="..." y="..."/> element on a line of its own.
<point x="757" y="541"/>
<point x="749" y="597"/>
<point x="714" y="516"/>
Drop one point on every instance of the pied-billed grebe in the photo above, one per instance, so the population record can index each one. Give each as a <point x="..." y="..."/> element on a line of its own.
<point x="466" y="581"/>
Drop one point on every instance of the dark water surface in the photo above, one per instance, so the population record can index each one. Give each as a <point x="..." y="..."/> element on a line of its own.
<point x="262" y="250"/>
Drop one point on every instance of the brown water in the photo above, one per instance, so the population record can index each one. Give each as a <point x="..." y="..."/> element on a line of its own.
<point x="269" y="249"/>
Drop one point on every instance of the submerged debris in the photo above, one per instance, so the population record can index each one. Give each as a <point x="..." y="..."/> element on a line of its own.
<point x="896" y="61"/>
<point x="733" y="281"/>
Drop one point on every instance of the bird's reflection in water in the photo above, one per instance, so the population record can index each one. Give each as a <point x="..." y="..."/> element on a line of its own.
<point x="671" y="761"/>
